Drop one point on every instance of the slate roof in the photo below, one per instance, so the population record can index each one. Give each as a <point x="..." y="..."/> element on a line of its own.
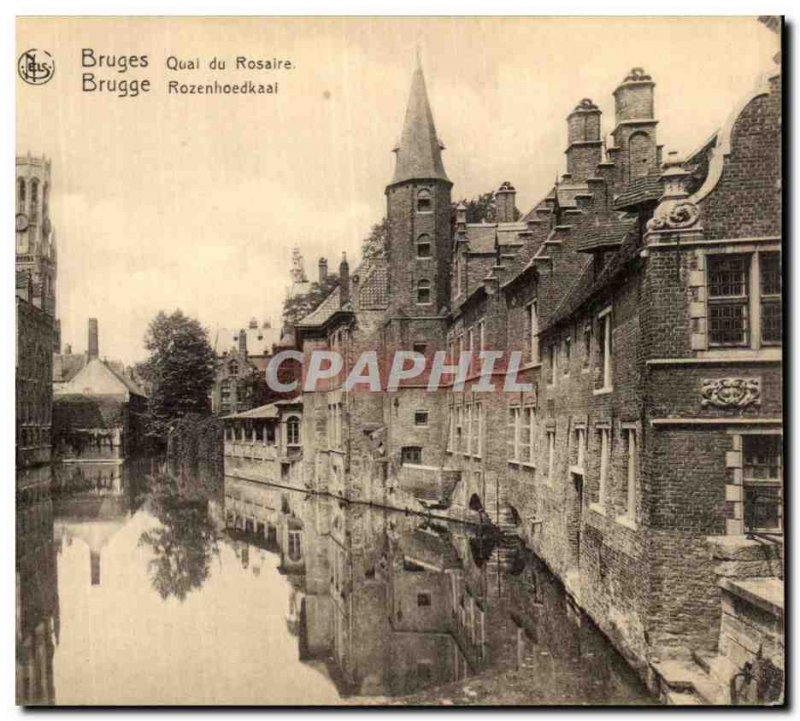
<point x="116" y="368"/>
<point x="419" y="154"/>
<point x="481" y="237"/>
<point x="604" y="231"/>
<point x="590" y="283"/>
<point x="639" y="190"/>
<point x="266" y="412"/>
<point x="324" y="310"/>
<point x="66" y="366"/>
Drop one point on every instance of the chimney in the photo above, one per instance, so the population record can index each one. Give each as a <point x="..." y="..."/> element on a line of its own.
<point x="461" y="217"/>
<point x="344" y="280"/>
<point x="243" y="342"/>
<point x="635" y="134"/>
<point x="505" y="198"/>
<point x="584" y="146"/>
<point x="323" y="270"/>
<point x="93" y="349"/>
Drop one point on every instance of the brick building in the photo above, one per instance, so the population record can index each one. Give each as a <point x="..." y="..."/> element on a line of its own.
<point x="97" y="407"/>
<point x="642" y="459"/>
<point x="37" y="329"/>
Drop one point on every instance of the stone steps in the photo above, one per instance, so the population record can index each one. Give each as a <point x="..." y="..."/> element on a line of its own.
<point x="681" y="680"/>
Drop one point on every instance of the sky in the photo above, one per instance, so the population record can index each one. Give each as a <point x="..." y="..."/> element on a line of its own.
<point x="195" y="202"/>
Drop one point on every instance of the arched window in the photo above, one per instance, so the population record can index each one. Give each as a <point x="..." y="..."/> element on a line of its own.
<point x="424" y="292"/>
<point x="642" y="154"/>
<point x="20" y="194"/>
<point x="293" y="431"/>
<point x="233" y="368"/>
<point x="424" y="201"/>
<point x="294" y="551"/>
<point x="34" y="197"/>
<point x="424" y="246"/>
<point x="45" y="199"/>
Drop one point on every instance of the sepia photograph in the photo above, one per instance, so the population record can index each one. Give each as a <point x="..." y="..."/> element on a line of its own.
<point x="399" y="361"/>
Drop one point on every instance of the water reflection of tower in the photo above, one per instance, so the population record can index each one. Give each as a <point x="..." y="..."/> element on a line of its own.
<point x="93" y="502"/>
<point x="37" y="606"/>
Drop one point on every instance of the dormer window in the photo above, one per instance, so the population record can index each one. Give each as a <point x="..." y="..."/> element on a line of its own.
<point x="424" y="292"/>
<point x="424" y="246"/>
<point x="424" y="201"/>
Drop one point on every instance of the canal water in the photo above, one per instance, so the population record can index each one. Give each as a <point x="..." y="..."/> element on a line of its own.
<point x="138" y="587"/>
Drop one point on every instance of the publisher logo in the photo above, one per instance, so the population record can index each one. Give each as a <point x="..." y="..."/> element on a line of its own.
<point x="36" y="67"/>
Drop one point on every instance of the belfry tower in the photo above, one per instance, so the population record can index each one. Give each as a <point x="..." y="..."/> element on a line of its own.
<point x="418" y="210"/>
<point x="36" y="255"/>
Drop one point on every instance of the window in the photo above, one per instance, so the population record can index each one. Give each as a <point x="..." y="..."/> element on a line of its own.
<point x="567" y="354"/>
<point x="481" y="326"/>
<point x="335" y="434"/>
<point x="420" y="418"/>
<point x="468" y="412"/>
<point x="34" y="198"/>
<point x="423" y="599"/>
<point x="762" y="478"/>
<point x="604" y="349"/>
<point x="579" y="452"/>
<point x="770" y="288"/>
<point x="552" y="364"/>
<point x="424" y="246"/>
<point x="477" y="424"/>
<point x="630" y="501"/>
<point x="587" y="346"/>
<point x="728" y="302"/>
<point x="512" y="433"/>
<point x="411" y="454"/>
<point x="459" y="429"/>
<point x="294" y="551"/>
<point x="423" y="292"/>
<point x="470" y="340"/>
<point x="525" y="435"/>
<point x="293" y="431"/>
<point x="233" y="368"/>
<point x="602" y="479"/>
<point x="533" y="332"/>
<point x="451" y="430"/>
<point x="744" y="300"/>
<point x="420" y="348"/>
<point x="21" y="195"/>
<point x="424" y="201"/>
<point x="270" y="435"/>
<point x="551" y="454"/>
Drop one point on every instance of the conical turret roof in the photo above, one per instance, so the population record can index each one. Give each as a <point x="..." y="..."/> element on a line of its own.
<point x="419" y="154"/>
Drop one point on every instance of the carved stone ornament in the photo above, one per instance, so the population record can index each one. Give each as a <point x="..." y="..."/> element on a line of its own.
<point x="731" y="392"/>
<point x="674" y="216"/>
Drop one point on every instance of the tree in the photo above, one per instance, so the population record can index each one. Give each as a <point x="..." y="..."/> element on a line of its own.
<point x="180" y="371"/>
<point x="299" y="306"/>
<point x="483" y="209"/>
<point x="374" y="245"/>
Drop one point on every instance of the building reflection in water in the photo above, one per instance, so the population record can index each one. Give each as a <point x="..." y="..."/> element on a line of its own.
<point x="389" y="604"/>
<point x="378" y="602"/>
<point x="89" y="501"/>
<point x="92" y="502"/>
<point x="37" y="611"/>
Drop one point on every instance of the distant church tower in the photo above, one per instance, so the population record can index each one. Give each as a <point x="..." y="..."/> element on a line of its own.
<point x="36" y="242"/>
<point x="418" y="210"/>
